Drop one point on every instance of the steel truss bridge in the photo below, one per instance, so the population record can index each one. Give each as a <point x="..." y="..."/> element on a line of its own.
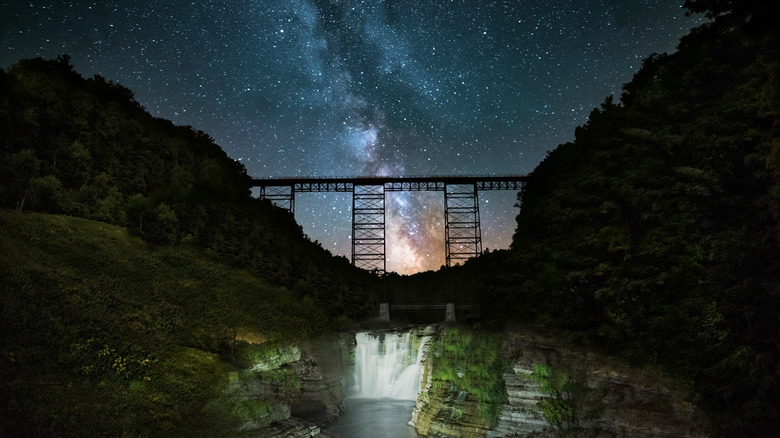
<point x="462" y="230"/>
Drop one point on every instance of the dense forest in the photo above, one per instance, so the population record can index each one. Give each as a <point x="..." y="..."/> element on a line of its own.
<point x="653" y="237"/>
<point x="86" y="148"/>
<point x="136" y="266"/>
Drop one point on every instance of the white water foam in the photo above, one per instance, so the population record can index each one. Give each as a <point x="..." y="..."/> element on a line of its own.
<point x="387" y="367"/>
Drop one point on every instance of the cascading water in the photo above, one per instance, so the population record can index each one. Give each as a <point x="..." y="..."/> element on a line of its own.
<point x="387" y="366"/>
<point x="388" y="372"/>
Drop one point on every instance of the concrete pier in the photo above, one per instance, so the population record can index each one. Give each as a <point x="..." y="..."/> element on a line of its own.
<point x="449" y="312"/>
<point x="384" y="312"/>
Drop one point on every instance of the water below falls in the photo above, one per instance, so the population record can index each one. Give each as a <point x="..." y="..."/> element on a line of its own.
<point x="386" y="382"/>
<point x="374" y="418"/>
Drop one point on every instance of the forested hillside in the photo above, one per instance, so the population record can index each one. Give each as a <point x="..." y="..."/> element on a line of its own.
<point x="655" y="234"/>
<point x="137" y="269"/>
<point x="107" y="335"/>
<point x="86" y="148"/>
<point x="653" y="237"/>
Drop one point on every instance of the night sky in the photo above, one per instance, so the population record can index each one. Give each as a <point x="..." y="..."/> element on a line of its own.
<point x="351" y="87"/>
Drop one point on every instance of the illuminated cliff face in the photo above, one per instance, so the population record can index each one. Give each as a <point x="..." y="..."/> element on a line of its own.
<point x="549" y="390"/>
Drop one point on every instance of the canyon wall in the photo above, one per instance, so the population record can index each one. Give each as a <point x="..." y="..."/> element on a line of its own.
<point x="554" y="390"/>
<point x="294" y="390"/>
<point x="547" y="389"/>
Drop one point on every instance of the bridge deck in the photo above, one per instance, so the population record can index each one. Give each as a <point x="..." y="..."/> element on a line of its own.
<point x="428" y="306"/>
<point x="462" y="230"/>
<point x="392" y="183"/>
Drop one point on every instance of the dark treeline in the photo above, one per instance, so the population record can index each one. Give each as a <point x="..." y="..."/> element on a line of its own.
<point x="654" y="236"/>
<point x="107" y="332"/>
<point x="86" y="148"/>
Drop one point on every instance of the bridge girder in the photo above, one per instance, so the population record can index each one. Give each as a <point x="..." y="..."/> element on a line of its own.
<point x="463" y="234"/>
<point x="462" y="230"/>
<point x="368" y="228"/>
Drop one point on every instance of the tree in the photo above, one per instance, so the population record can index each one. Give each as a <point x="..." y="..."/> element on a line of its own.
<point x="716" y="8"/>
<point x="137" y="208"/>
<point x="17" y="170"/>
<point x="47" y="194"/>
<point x="162" y="225"/>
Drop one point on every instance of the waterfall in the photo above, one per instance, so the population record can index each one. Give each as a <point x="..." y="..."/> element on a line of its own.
<point x="386" y="366"/>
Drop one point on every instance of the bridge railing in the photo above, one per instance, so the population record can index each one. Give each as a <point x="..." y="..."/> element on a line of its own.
<point x="388" y="177"/>
<point x="405" y="183"/>
<point x="462" y="224"/>
<point x="430" y="306"/>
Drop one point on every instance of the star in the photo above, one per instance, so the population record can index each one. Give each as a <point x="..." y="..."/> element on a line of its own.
<point x="364" y="87"/>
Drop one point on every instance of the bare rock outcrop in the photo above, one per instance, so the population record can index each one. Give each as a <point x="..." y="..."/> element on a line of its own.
<point x="556" y="390"/>
<point x="295" y="391"/>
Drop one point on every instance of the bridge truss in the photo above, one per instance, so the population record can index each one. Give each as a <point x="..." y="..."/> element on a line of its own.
<point x="463" y="235"/>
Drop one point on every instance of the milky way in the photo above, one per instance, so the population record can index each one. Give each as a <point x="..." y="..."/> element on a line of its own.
<point x="350" y="87"/>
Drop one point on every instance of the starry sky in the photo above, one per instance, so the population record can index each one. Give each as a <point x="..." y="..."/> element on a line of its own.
<point x="363" y="87"/>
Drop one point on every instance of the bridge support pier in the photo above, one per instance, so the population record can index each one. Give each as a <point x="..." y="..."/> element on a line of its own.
<point x="384" y="312"/>
<point x="368" y="228"/>
<point x="462" y="232"/>
<point x="449" y="312"/>
<point x="283" y="196"/>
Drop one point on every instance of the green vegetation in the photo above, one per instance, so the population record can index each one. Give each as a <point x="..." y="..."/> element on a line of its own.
<point x="106" y="334"/>
<point x="655" y="236"/>
<point x="86" y="148"/>
<point x="471" y="361"/>
<point x="557" y="408"/>
<point x="143" y="306"/>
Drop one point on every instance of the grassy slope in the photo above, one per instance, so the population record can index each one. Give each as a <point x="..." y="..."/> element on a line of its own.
<point x="86" y="148"/>
<point x="97" y="323"/>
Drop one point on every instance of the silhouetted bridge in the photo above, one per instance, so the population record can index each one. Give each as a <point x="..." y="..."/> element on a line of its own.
<point x="449" y="309"/>
<point x="462" y="230"/>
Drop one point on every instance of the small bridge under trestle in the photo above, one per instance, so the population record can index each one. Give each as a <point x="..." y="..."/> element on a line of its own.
<point x="449" y="309"/>
<point x="462" y="226"/>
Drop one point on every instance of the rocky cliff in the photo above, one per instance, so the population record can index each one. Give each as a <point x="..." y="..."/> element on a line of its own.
<point x="294" y="390"/>
<point x="550" y="390"/>
<point x="554" y="390"/>
<point x="443" y="408"/>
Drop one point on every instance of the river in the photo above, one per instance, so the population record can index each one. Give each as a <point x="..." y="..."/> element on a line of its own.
<point x="386" y="382"/>
<point x="378" y="418"/>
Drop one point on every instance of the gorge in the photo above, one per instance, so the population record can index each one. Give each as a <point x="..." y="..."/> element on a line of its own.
<point x="387" y="375"/>
<point x="146" y="292"/>
<point x="386" y="379"/>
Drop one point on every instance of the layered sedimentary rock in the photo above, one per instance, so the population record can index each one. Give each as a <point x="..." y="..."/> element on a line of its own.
<point x="443" y="410"/>
<point x="295" y="391"/>
<point x="603" y="398"/>
<point x="554" y="390"/>
<point x="326" y="368"/>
